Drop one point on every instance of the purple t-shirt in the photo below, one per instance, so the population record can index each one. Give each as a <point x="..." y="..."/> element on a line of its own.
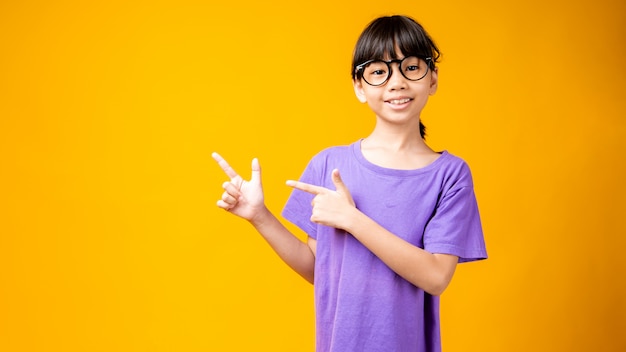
<point x="362" y="305"/>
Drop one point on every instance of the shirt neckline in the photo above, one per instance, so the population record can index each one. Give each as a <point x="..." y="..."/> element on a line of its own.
<point x="358" y="154"/>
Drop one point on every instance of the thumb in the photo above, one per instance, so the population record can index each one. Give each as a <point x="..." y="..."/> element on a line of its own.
<point x="256" y="171"/>
<point x="341" y="187"/>
<point x="338" y="182"/>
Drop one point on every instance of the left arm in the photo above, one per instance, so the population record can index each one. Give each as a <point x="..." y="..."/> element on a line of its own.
<point x="428" y="271"/>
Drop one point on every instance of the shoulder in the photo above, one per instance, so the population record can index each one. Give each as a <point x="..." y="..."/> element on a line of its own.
<point x="322" y="163"/>
<point x="342" y="152"/>
<point x="453" y="162"/>
<point x="455" y="170"/>
<point x="339" y="150"/>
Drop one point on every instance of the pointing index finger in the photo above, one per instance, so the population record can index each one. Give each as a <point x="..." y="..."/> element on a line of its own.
<point x="230" y="172"/>
<point x="306" y="187"/>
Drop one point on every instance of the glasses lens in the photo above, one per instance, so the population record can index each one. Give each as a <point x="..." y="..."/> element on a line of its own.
<point x="376" y="73"/>
<point x="414" y="68"/>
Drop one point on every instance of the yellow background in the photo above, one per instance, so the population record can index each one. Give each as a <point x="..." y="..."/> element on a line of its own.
<point x="110" y="239"/>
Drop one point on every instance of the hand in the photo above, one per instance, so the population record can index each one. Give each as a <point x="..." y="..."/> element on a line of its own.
<point x="242" y="198"/>
<point x="330" y="208"/>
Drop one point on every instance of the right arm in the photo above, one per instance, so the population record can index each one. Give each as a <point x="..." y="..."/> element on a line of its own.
<point x="245" y="199"/>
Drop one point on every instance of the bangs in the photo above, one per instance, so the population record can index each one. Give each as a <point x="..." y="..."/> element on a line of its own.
<point x="388" y="37"/>
<point x="394" y="41"/>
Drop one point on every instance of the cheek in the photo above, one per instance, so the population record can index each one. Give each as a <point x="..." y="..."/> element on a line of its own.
<point x="424" y="92"/>
<point x="422" y="100"/>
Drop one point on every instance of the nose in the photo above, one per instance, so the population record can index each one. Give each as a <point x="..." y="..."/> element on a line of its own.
<point x="396" y="80"/>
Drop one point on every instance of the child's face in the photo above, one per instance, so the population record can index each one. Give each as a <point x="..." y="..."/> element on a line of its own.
<point x="399" y="99"/>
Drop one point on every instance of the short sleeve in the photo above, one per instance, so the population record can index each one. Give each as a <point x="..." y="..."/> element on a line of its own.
<point x="455" y="227"/>
<point x="298" y="209"/>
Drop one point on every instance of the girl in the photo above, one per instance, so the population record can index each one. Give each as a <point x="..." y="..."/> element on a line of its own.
<point x="385" y="234"/>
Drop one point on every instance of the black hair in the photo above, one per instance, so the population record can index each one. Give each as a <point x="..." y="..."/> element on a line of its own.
<point x="384" y="35"/>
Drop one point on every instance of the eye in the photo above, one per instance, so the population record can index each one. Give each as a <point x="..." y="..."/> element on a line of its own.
<point x="377" y="68"/>
<point x="411" y="64"/>
<point x="378" y="72"/>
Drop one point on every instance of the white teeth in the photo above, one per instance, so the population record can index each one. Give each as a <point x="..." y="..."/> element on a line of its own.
<point x="400" y="101"/>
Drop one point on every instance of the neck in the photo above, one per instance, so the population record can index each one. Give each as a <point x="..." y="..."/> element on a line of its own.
<point x="402" y="138"/>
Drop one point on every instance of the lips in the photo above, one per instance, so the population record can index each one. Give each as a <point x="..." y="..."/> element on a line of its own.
<point x="399" y="101"/>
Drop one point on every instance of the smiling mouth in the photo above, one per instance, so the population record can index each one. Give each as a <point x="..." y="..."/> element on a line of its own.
<point x="399" y="101"/>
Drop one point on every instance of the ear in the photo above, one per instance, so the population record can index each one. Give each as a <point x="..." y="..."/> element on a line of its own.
<point x="358" y="90"/>
<point x="434" y="81"/>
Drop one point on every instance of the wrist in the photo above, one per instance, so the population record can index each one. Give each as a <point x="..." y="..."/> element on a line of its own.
<point x="260" y="217"/>
<point x="353" y="219"/>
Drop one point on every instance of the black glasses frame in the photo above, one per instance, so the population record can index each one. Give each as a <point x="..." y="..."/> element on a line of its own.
<point x="360" y="67"/>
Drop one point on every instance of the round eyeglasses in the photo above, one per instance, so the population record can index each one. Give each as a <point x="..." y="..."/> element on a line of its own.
<point x="377" y="72"/>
